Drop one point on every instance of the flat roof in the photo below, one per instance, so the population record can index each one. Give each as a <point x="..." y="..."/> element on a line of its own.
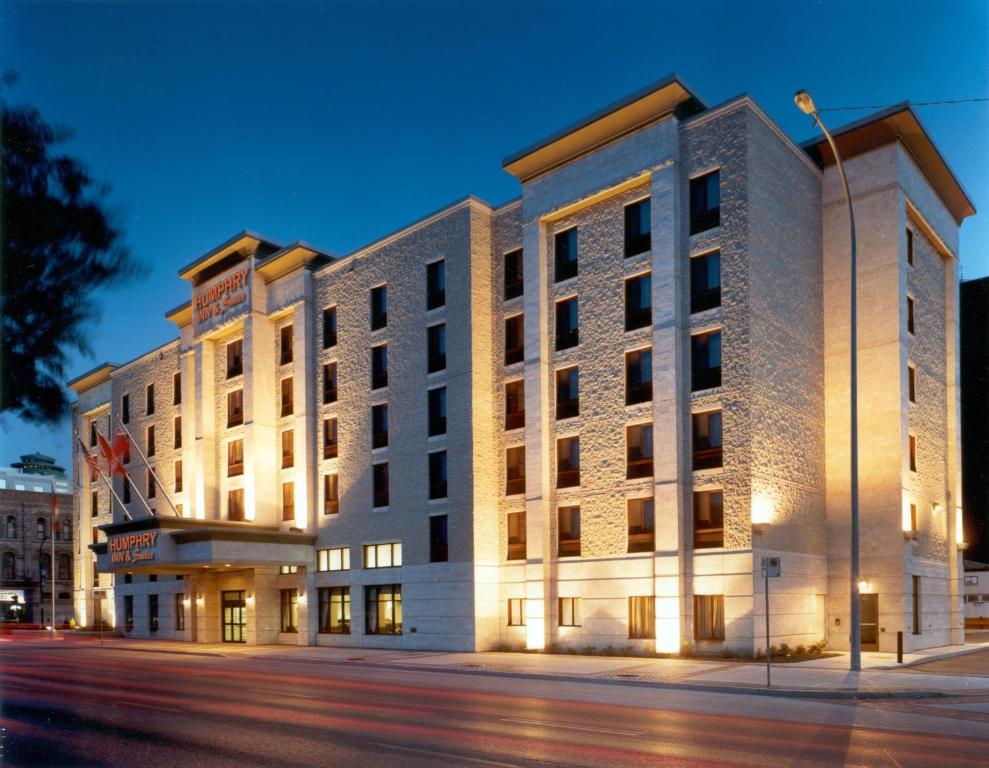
<point x="238" y="241"/>
<point x="92" y="377"/>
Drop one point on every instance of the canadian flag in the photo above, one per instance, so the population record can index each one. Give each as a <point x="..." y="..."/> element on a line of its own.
<point x="116" y="453"/>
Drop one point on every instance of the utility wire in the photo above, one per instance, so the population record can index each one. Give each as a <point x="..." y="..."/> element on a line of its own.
<point x="910" y="103"/>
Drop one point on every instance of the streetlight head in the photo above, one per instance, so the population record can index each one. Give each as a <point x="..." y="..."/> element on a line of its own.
<point x="804" y="102"/>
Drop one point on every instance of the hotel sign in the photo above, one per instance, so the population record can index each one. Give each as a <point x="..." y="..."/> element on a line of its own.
<point x="220" y="299"/>
<point x="133" y="547"/>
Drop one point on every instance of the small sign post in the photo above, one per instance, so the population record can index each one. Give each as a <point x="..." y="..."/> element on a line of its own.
<point x="770" y="569"/>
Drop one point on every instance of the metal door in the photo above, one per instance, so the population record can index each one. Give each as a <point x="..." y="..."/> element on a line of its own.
<point x="234" y="620"/>
<point x="869" y="613"/>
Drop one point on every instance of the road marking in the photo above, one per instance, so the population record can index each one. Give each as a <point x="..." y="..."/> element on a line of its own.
<point x="457" y="758"/>
<point x="149" y="706"/>
<point x="569" y="727"/>
<point x="282" y="693"/>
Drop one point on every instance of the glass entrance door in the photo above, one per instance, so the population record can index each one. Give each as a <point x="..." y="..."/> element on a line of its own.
<point x="869" y="618"/>
<point x="234" y="618"/>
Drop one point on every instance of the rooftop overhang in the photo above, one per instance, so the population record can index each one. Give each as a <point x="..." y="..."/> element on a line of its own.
<point x="897" y="123"/>
<point x="650" y="105"/>
<point x="289" y="259"/>
<point x="180" y="315"/>
<point x="92" y="378"/>
<point x="244" y="244"/>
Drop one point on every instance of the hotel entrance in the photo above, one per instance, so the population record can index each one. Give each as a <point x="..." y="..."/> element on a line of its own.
<point x="234" y="617"/>
<point x="869" y="622"/>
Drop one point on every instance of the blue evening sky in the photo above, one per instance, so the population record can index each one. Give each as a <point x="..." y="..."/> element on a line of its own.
<point x="337" y="123"/>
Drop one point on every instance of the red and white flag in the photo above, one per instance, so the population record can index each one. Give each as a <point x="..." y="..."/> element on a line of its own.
<point x="116" y="453"/>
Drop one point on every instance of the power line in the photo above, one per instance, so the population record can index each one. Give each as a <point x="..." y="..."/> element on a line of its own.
<point x="910" y="103"/>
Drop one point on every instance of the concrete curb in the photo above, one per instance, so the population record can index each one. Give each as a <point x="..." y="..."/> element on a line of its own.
<point x="939" y="657"/>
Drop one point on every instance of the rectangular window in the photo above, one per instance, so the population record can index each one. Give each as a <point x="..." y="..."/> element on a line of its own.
<point x="379" y="366"/>
<point x="514" y="339"/>
<point x="379" y="425"/>
<point x="516" y="611"/>
<point x="177" y="432"/>
<point x="329" y="327"/>
<point x="176" y="389"/>
<point x="334" y="610"/>
<point x="180" y="612"/>
<point x="565" y="262"/>
<point x="515" y="404"/>
<point x="437" y="475"/>
<point x="331" y="498"/>
<point x="178" y="476"/>
<point x="128" y="613"/>
<point x="285" y="344"/>
<point x="288" y="448"/>
<point x="439" y="547"/>
<point x="379" y="473"/>
<point x="516" y="536"/>
<point x="379" y="307"/>
<point x="641" y="531"/>
<point x="708" y="449"/>
<point x="515" y="470"/>
<point x="235" y="458"/>
<point x="152" y="486"/>
<point x="638" y="302"/>
<point x="435" y="284"/>
<point x="913" y="453"/>
<point x="709" y="617"/>
<point x="436" y="411"/>
<point x="329" y="383"/>
<point x="705" y="361"/>
<point x="705" y="282"/>
<point x="642" y="618"/>
<point x="638" y="376"/>
<point x="912" y="383"/>
<point x="235" y="358"/>
<point x="567" y="333"/>
<point x="910" y="255"/>
<point x="235" y="408"/>
<point x="568" y="539"/>
<point x="330" y="442"/>
<point x="383" y="555"/>
<point x="436" y="348"/>
<point x="638" y="451"/>
<point x="913" y="518"/>
<point x="910" y="315"/>
<point x="567" y="393"/>
<point x="286" y="400"/>
<point x="94" y="505"/>
<point x="126" y="493"/>
<point x="567" y="462"/>
<point x="638" y="238"/>
<point x="335" y="559"/>
<point x="290" y="610"/>
<point x="514" y="283"/>
<point x="288" y="501"/>
<point x="569" y="611"/>
<point x="705" y="202"/>
<point x="125" y="409"/>
<point x="150" y="399"/>
<point x="151" y="440"/>
<point x="709" y="531"/>
<point x="92" y="434"/>
<point x="383" y="610"/>
<point x="235" y="504"/>
<point x="152" y="613"/>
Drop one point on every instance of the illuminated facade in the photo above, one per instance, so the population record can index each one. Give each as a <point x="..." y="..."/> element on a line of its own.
<point x="578" y="419"/>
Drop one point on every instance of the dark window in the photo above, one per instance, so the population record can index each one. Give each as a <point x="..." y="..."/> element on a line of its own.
<point x="568" y="539"/>
<point x="566" y="324"/>
<point x="709" y="528"/>
<point x="638" y="302"/>
<point x="383" y="609"/>
<point x="437" y="411"/>
<point x="126" y="493"/>
<point x="152" y="486"/>
<point x="235" y="408"/>
<point x="379" y="425"/>
<point x="638" y="439"/>
<point x="152" y="613"/>
<point x="42" y="528"/>
<point x="12" y="526"/>
<point x="435" y="284"/>
<point x="705" y="361"/>
<point x="439" y="548"/>
<point x="638" y="376"/>
<point x="329" y="327"/>
<point x="330" y="443"/>
<point x="514" y="339"/>
<point x="150" y="399"/>
<point x="915" y="594"/>
<point x="128" y="613"/>
<point x="178" y="476"/>
<point x="288" y="501"/>
<point x="288" y="448"/>
<point x="125" y="409"/>
<point x="436" y="348"/>
<point x="379" y="307"/>
<point x="565" y="255"/>
<point x="285" y="345"/>
<point x="642" y="618"/>
<point x="380" y="484"/>
<point x="235" y="504"/>
<point x="708" y="451"/>
<point x="151" y="440"/>
<point x="176" y="389"/>
<point x="516" y="611"/>
<point x="567" y="393"/>
<point x="334" y="610"/>
<point x="514" y="283"/>
<point x="287" y="406"/>
<point x="379" y="366"/>
<point x="177" y="432"/>
<point x="705" y="203"/>
<point x="913" y="453"/>
<point x="641" y="531"/>
<point x="709" y="617"/>
<point x="330" y="383"/>
<point x="638" y="238"/>
<point x="910" y="255"/>
<point x="910" y="315"/>
<point x="515" y="404"/>
<point x="235" y="358"/>
<point x="567" y="462"/>
<point x="180" y="612"/>
<point x="331" y="499"/>
<point x="235" y="458"/>
<point x="437" y="475"/>
<point x="92" y="434"/>
<point x="129" y="579"/>
<point x="516" y="536"/>
<point x="515" y="470"/>
<point x="912" y="383"/>
<point x="705" y="282"/>
<point x="290" y="610"/>
<point x="94" y="505"/>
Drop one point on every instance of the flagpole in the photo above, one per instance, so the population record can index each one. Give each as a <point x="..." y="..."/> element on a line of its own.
<point x="53" y="572"/>
<point x="148" y="465"/>
<point x="115" y="462"/>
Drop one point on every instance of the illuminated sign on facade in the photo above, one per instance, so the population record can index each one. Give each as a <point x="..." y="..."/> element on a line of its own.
<point x="215" y="301"/>
<point x="133" y="547"/>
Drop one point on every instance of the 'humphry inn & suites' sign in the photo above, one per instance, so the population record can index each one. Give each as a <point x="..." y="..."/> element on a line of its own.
<point x="133" y="547"/>
<point x="219" y="299"/>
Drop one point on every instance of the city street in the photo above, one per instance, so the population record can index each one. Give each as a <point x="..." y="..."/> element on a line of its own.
<point x="68" y="703"/>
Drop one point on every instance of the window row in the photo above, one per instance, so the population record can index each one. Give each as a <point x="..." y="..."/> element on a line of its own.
<point x="149" y="404"/>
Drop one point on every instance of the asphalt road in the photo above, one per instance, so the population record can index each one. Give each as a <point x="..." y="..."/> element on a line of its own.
<point x="72" y="704"/>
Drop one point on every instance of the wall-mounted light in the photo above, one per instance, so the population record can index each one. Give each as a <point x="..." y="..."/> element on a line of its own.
<point x="864" y="585"/>
<point x="302" y="599"/>
<point x="250" y="598"/>
<point x="200" y="600"/>
<point x="187" y="602"/>
<point x="763" y="512"/>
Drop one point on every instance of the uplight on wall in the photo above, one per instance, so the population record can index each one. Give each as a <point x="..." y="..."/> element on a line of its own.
<point x="302" y="599"/>
<point x="763" y="511"/>
<point x="200" y="600"/>
<point x="250" y="599"/>
<point x="535" y="624"/>
<point x="187" y="602"/>
<point x="864" y="585"/>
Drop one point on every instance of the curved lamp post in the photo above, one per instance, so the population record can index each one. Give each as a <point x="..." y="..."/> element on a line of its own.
<point x="806" y="105"/>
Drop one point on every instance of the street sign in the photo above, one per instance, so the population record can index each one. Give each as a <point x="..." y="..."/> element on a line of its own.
<point x="771" y="567"/>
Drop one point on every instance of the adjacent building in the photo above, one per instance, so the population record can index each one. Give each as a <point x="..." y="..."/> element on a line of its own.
<point x="975" y="414"/>
<point x="579" y="419"/>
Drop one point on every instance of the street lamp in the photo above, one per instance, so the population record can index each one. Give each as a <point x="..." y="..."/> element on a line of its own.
<point x="806" y="105"/>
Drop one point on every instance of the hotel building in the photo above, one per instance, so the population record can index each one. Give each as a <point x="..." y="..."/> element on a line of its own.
<point x="581" y="418"/>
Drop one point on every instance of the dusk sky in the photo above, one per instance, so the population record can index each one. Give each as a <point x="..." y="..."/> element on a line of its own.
<point x="339" y="123"/>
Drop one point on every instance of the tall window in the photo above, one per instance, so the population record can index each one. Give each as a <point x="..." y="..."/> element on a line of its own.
<point x="709" y="531"/>
<point x="128" y="613"/>
<point x="288" y="448"/>
<point x="151" y="440"/>
<point x="379" y="366"/>
<point x="176" y="389"/>
<point x="178" y="476"/>
<point x="514" y="283"/>
<point x="638" y="301"/>
<point x="9" y="566"/>
<point x="515" y="470"/>
<point x="915" y="594"/>
<point x="567" y="393"/>
<point x="705" y="282"/>
<point x="638" y="376"/>
<point x="436" y="348"/>
<point x="516" y="535"/>
<point x="288" y="501"/>
<point x="516" y="611"/>
<point x="515" y="404"/>
<point x="126" y="493"/>
<point x="330" y="442"/>
<point x="287" y="405"/>
<point x="92" y="434"/>
<point x="177" y="432"/>
<point x="642" y="618"/>
<point x="567" y="462"/>
<point x="235" y="458"/>
<point x="379" y="307"/>
<point x="331" y="497"/>
<point x="235" y="504"/>
<point x="383" y="609"/>
<point x="568" y="539"/>
<point x="334" y="610"/>
<point x="235" y="358"/>
<point x="285" y="344"/>
<point x="383" y="555"/>
<point x="290" y="610"/>
<point x="437" y="475"/>
<point x="150" y="399"/>
<point x="638" y="447"/>
<point x="11" y="530"/>
<point x="565" y="262"/>
<point x="705" y="202"/>
<point x="235" y="408"/>
<point x="329" y="383"/>
<point x="64" y="568"/>
<point x="152" y="613"/>
<point x="152" y="486"/>
<point x="568" y="610"/>
<point x="913" y="453"/>
<point x="514" y="339"/>
<point x="180" y="612"/>
<point x="567" y="333"/>
<point x="435" y="284"/>
<point x="379" y="425"/>
<point x="125" y="409"/>
<point x="439" y="547"/>
<point x="909" y="246"/>
<point x="910" y="315"/>
<point x="913" y="518"/>
<point x="709" y="617"/>
<point x="41" y="530"/>
<point x="708" y="449"/>
<point x="436" y="411"/>
<point x="379" y="483"/>
<point x="912" y="383"/>
<point x="329" y="327"/>
<point x="638" y="238"/>
<point x="641" y="531"/>
<point x="705" y="360"/>
<point x="94" y="504"/>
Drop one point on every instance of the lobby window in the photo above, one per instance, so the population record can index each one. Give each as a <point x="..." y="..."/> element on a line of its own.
<point x="568" y="611"/>
<point x="565" y="255"/>
<point x="516" y="611"/>
<point x="705" y="282"/>
<point x="912" y="383"/>
<point x="152" y="613"/>
<point x="379" y="482"/>
<point x="235" y="358"/>
<point x="151" y="484"/>
<point x="641" y="530"/>
<point x="329" y="383"/>
<point x="915" y="599"/>
<point x="285" y="345"/>
<point x="290" y="610"/>
<point x="567" y="393"/>
<point x="638" y="237"/>
<point x="235" y="408"/>
<point x="383" y="555"/>
<point x="288" y="448"/>
<point x="705" y="202"/>
<point x="436" y="348"/>
<point x="288" y="501"/>
<point x="567" y="332"/>
<point x="94" y="509"/>
<point x="125" y="409"/>
<point x="913" y="453"/>
<point x="379" y="307"/>
<point x="180" y="612"/>
<point x="150" y="436"/>
<point x="439" y="546"/>
<point x="705" y="361"/>
<point x="709" y="617"/>
<point x="638" y="376"/>
<point x="334" y="610"/>
<point x="514" y="339"/>
<point x="379" y="425"/>
<point x="516" y="535"/>
<point x="149" y="396"/>
<point x="910" y="315"/>
<point x="335" y="559"/>
<point x="379" y="366"/>
<point x="235" y="504"/>
<point x="638" y="301"/>
<point x="177" y="432"/>
<point x="436" y="407"/>
<point x="437" y="475"/>
<point x="286" y="400"/>
<point x="568" y="532"/>
<point x="642" y="618"/>
<point x="92" y="434"/>
<point x="515" y="404"/>
<point x="515" y="470"/>
<point x="329" y="327"/>
<point x="909" y="234"/>
<point x="638" y="451"/>
<point x="178" y="476"/>
<point x="709" y="531"/>
<point x="514" y="283"/>
<point x="383" y="609"/>
<point x="331" y="495"/>
<point x="435" y="284"/>
<point x="708" y="449"/>
<point x="176" y="389"/>
<point x="567" y="462"/>
<point x="235" y="458"/>
<point x="330" y="442"/>
<point x="128" y="613"/>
